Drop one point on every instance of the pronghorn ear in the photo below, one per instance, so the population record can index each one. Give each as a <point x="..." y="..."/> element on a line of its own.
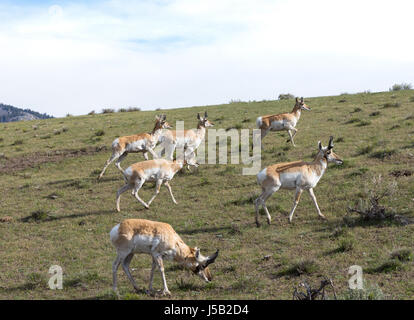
<point x="197" y="253"/>
<point x="157" y="117"/>
<point x="320" y="145"/>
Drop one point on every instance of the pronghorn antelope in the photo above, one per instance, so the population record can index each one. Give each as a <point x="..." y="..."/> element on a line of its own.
<point x="158" y="170"/>
<point x="284" y="121"/>
<point x="187" y="139"/>
<point x="160" y="241"/>
<point x="297" y="175"/>
<point x="144" y="142"/>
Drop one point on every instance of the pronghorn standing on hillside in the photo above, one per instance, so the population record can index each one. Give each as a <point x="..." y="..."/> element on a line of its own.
<point x="284" y="121"/>
<point x="144" y="142"/>
<point x="158" y="170"/>
<point x="160" y="241"/>
<point x="297" y="175"/>
<point x="187" y="139"/>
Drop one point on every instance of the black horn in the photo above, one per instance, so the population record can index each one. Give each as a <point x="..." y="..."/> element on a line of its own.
<point x="212" y="258"/>
<point x="330" y="144"/>
<point x="205" y="114"/>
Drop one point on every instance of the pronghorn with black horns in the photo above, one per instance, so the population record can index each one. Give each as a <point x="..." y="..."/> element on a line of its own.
<point x="284" y="121"/>
<point x="160" y="241"/>
<point x="158" y="170"/>
<point x="189" y="140"/>
<point x="298" y="175"/>
<point x="144" y="142"/>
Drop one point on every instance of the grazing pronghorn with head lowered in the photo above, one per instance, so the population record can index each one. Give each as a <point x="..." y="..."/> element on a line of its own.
<point x="144" y="142"/>
<point x="158" y="170"/>
<point x="297" y="175"/>
<point x="160" y="241"/>
<point x="188" y="139"/>
<point x="284" y="121"/>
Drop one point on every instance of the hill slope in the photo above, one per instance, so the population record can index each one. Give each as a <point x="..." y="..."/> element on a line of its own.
<point x="11" y="114"/>
<point x="55" y="212"/>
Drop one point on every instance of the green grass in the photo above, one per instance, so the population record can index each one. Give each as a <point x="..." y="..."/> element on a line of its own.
<point x="215" y="204"/>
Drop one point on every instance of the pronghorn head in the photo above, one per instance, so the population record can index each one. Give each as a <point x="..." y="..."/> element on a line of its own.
<point x="161" y="122"/>
<point x="203" y="121"/>
<point x="199" y="263"/>
<point x="327" y="152"/>
<point x="301" y="105"/>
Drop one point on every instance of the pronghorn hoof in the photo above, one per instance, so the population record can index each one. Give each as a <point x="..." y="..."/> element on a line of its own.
<point x="166" y="293"/>
<point x="150" y="292"/>
<point x="268" y="221"/>
<point x="322" y="217"/>
<point x="258" y="224"/>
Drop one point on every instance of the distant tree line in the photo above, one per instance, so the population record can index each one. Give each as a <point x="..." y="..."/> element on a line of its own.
<point x="9" y="113"/>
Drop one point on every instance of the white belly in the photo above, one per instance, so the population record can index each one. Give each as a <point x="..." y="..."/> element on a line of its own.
<point x="277" y="125"/>
<point x="136" y="146"/>
<point x="290" y="180"/>
<point x="145" y="244"/>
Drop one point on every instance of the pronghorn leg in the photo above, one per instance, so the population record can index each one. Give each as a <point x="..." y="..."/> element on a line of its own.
<point x="154" y="265"/>
<point x="135" y="192"/>
<point x="146" y="155"/>
<point x="190" y="156"/>
<point x="263" y="133"/>
<point x="108" y="162"/>
<point x="256" y="204"/>
<point x="125" y="265"/>
<point x="154" y="155"/>
<point x="265" y="197"/>
<point x="169" y="151"/>
<point x="157" y="190"/>
<point x="261" y="200"/>
<point x="160" y="265"/>
<point x="169" y="189"/>
<point x="118" y="195"/>
<point x="291" y="138"/>
<point x="316" y="203"/>
<point x="115" y="266"/>
<point x="118" y="162"/>
<point x="297" y="197"/>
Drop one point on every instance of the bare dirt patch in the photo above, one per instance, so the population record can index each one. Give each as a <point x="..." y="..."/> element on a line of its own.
<point x="36" y="159"/>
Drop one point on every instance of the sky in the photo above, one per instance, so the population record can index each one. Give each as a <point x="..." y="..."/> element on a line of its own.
<point x="62" y="57"/>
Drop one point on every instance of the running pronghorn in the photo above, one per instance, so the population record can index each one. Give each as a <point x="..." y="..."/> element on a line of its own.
<point x="144" y="142"/>
<point x="284" y="121"/>
<point x="158" y="170"/>
<point x="297" y="175"/>
<point x="160" y="241"/>
<point x="189" y="140"/>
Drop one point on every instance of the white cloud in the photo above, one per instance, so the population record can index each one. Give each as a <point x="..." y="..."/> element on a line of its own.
<point x="192" y="52"/>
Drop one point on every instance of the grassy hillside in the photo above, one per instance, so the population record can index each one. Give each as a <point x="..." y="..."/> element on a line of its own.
<point x="53" y="211"/>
